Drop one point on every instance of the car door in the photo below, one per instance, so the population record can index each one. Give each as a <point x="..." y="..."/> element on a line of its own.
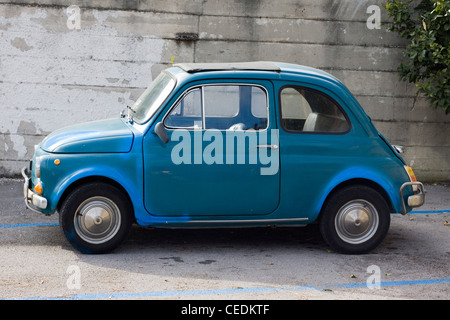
<point x="222" y="156"/>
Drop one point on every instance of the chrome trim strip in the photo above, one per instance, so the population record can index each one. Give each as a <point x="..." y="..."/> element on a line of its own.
<point x="270" y="146"/>
<point x="203" y="108"/>
<point x="399" y="149"/>
<point x="269" y="221"/>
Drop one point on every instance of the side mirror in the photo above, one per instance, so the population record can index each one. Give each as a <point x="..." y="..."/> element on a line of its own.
<point x="161" y="132"/>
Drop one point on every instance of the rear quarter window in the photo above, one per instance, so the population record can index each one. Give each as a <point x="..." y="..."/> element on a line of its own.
<point x="308" y="110"/>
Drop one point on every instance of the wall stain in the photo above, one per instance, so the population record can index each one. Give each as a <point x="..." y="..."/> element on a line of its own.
<point x="21" y="44"/>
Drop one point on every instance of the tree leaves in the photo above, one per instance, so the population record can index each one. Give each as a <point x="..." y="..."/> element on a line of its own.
<point x="426" y="25"/>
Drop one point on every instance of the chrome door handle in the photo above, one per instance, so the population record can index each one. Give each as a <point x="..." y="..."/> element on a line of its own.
<point x="270" y="146"/>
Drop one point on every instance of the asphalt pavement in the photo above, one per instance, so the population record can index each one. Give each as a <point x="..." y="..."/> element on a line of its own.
<point x="257" y="263"/>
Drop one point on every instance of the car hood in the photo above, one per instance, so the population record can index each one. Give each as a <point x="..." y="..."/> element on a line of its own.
<point x="111" y="135"/>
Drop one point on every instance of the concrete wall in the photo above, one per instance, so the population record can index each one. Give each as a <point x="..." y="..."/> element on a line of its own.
<point x="53" y="76"/>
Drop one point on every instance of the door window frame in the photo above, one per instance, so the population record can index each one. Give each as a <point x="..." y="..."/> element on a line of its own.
<point x="202" y="86"/>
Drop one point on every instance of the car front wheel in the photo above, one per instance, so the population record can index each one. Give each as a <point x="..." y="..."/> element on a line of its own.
<point x="96" y="218"/>
<point x="355" y="220"/>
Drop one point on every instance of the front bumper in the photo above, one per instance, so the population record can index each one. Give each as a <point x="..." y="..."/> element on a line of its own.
<point x="33" y="201"/>
<point x="415" y="200"/>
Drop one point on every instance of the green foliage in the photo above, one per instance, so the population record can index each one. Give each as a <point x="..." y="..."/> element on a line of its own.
<point x="426" y="24"/>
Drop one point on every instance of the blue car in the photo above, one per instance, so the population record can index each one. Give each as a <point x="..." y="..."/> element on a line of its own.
<point x="226" y="145"/>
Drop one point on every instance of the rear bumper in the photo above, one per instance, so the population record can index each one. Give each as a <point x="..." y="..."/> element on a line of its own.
<point x="415" y="200"/>
<point x="33" y="201"/>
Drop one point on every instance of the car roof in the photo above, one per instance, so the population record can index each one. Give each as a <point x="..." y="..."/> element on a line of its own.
<point x="226" y="66"/>
<point x="263" y="66"/>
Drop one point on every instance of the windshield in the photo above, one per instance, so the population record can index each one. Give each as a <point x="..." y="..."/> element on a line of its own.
<point x="152" y="98"/>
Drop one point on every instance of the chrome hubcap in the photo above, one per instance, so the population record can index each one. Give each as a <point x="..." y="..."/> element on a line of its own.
<point x="357" y="221"/>
<point x="97" y="220"/>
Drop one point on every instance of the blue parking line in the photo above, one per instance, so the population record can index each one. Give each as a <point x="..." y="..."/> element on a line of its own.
<point x="434" y="211"/>
<point x="28" y="225"/>
<point x="172" y="293"/>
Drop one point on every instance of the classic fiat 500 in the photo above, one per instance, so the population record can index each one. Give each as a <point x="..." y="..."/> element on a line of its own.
<point x="226" y="145"/>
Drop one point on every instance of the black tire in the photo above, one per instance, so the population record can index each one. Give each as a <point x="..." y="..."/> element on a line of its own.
<point x="355" y="220"/>
<point x="96" y="218"/>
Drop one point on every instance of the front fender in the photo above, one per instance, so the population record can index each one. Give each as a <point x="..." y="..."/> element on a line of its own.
<point x="124" y="169"/>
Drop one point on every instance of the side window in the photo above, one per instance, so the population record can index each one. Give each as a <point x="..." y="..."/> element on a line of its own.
<point x="188" y="111"/>
<point x="235" y="107"/>
<point x="308" y="110"/>
<point x="259" y="107"/>
<point x="221" y="107"/>
<point x="221" y="101"/>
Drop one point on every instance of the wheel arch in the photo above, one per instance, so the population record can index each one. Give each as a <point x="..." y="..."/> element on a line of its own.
<point x="360" y="181"/>
<point x="92" y="179"/>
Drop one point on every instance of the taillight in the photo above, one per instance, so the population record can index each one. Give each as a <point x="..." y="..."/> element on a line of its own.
<point x="412" y="177"/>
<point x="411" y="174"/>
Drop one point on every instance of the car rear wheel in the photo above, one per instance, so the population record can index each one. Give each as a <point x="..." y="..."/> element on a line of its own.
<point x="96" y="218"/>
<point x="355" y="220"/>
